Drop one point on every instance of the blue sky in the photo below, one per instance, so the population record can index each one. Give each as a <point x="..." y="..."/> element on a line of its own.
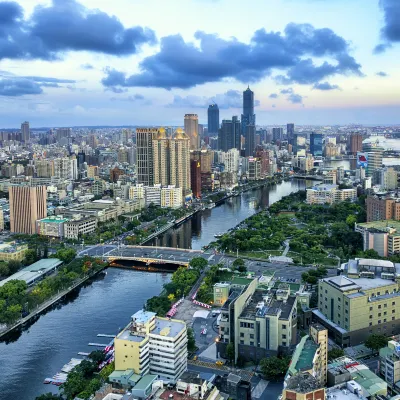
<point x="102" y="62"/>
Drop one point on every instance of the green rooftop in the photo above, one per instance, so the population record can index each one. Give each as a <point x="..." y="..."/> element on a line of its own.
<point x="53" y="220"/>
<point x="303" y="356"/>
<point x="145" y="382"/>
<point x="370" y="382"/>
<point x="294" y="287"/>
<point x="381" y="225"/>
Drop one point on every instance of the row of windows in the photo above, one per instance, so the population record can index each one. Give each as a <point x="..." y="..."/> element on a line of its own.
<point x="251" y="335"/>
<point x="247" y="325"/>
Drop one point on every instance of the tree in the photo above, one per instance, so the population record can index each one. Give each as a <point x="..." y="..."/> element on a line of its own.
<point x="65" y="255"/>
<point x="351" y="220"/>
<point x="198" y="263"/>
<point x="14" y="266"/>
<point x="335" y="353"/>
<point x="97" y="356"/>
<point x="4" y="271"/>
<point x="375" y="342"/>
<point x="49" y="396"/>
<point x="240" y="265"/>
<point x="191" y="344"/>
<point x="274" y="368"/>
<point x="230" y="352"/>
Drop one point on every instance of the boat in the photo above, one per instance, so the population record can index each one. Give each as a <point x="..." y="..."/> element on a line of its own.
<point x="211" y="205"/>
<point x="218" y="235"/>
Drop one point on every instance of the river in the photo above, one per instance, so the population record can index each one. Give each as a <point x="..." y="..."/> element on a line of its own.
<point x="106" y="304"/>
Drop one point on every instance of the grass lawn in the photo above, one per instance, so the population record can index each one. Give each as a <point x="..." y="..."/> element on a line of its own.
<point x="261" y="254"/>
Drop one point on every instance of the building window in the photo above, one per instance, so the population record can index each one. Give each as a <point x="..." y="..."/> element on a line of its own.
<point x="370" y="317"/>
<point x="251" y="343"/>
<point x="283" y="336"/>
<point x="241" y="334"/>
<point x="393" y="318"/>
<point x="384" y="320"/>
<point x="346" y="319"/>
<point x="326" y="291"/>
<point x="380" y="306"/>
<point x="251" y="336"/>
<point x="242" y="342"/>
<point x="338" y="299"/>
<point x="320" y="295"/>
<point x="346" y="302"/>
<point x="283" y="343"/>
<point x="378" y="293"/>
<point x="338" y="315"/>
<point x="385" y="313"/>
<point x="370" y="324"/>
<point x="283" y="326"/>
<point x="379" y="321"/>
<point x="326" y="299"/>
<point x="393" y="303"/>
<point x="338" y="307"/>
<point x="346" y="311"/>
<point x="379" y="314"/>
<point x="385" y="305"/>
<point x="371" y="308"/>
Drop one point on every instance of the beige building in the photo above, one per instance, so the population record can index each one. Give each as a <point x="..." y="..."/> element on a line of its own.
<point x="382" y="208"/>
<point x="92" y="171"/>
<point x="171" y="197"/>
<point x="154" y="345"/>
<point x="362" y="301"/>
<point x="74" y="229"/>
<point x="1" y="219"/>
<point x="258" y="322"/>
<point x="12" y="252"/>
<point x="329" y="194"/>
<point x="192" y="130"/>
<point x="44" y="168"/>
<point x="180" y="161"/>
<point x="27" y="205"/>
<point x="137" y="192"/>
<point x="161" y="154"/>
<point x="52" y="226"/>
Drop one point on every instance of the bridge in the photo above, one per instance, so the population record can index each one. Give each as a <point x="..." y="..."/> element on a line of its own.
<point x="158" y="255"/>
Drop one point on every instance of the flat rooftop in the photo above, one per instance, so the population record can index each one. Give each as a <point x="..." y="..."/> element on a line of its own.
<point x="381" y="225"/>
<point x="168" y="327"/>
<point x="303" y="383"/>
<point x="54" y="220"/>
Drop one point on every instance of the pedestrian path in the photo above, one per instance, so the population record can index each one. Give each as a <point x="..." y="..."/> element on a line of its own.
<point x="259" y="389"/>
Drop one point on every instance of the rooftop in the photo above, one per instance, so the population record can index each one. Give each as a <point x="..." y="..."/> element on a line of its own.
<point x="142" y="316"/>
<point x="303" y="383"/>
<point x="145" y="382"/>
<point x="54" y="220"/>
<point x="303" y="356"/>
<point x="168" y="327"/>
<point x="381" y="225"/>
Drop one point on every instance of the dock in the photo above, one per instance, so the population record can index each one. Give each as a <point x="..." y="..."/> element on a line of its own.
<point x="105" y="335"/>
<point x="98" y="344"/>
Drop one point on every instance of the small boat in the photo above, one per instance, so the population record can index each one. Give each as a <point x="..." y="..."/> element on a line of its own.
<point x="218" y="235"/>
<point x="211" y="205"/>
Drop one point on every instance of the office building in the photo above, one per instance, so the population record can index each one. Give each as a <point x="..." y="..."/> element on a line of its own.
<point x="144" y="146"/>
<point x="277" y="134"/>
<point x="329" y="194"/>
<point x="250" y="141"/>
<point x="27" y="205"/>
<point x="311" y="355"/>
<point x="355" y="143"/>
<point x="195" y="177"/>
<point x="92" y="141"/>
<point x="363" y="300"/>
<point x="179" y="161"/>
<point x="192" y="130"/>
<point x="229" y="135"/>
<point x="78" y="228"/>
<point x="299" y="144"/>
<point x="154" y="345"/>
<point x="259" y="323"/>
<point x="375" y="156"/>
<point x="290" y="133"/>
<point x="380" y="208"/>
<point x="213" y="119"/>
<point x="386" y="178"/>
<point x="248" y="116"/>
<point x="316" y="144"/>
<point x="25" y="132"/>
<point x="63" y="136"/>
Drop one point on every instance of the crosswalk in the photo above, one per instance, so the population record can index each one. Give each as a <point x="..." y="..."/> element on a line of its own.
<point x="259" y="389"/>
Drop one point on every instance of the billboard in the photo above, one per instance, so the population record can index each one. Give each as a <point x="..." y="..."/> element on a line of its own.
<point x="362" y="160"/>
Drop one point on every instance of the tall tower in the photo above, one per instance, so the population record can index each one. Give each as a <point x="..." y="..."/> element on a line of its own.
<point x="144" y="146"/>
<point x="180" y="161"/>
<point x="250" y="139"/>
<point x="27" y="204"/>
<point x="161" y="158"/>
<point x="213" y="119"/>
<point x="375" y="156"/>
<point x="192" y="130"/>
<point x="230" y="134"/>
<point x="290" y="133"/>
<point x="248" y="116"/>
<point x="25" y="132"/>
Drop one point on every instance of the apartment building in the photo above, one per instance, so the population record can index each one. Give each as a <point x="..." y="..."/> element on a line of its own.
<point x="329" y="194"/>
<point x="74" y="229"/>
<point x="51" y="226"/>
<point x="258" y="322"/>
<point x="171" y="197"/>
<point x="311" y="355"/>
<point x="381" y="208"/>
<point x="362" y="301"/>
<point x="154" y="345"/>
<point x="389" y="365"/>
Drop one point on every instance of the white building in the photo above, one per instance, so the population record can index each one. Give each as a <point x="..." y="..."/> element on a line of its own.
<point x="153" y="195"/>
<point x="66" y="168"/>
<point x="329" y="194"/>
<point x="75" y="228"/>
<point x="171" y="197"/>
<point x="137" y="192"/>
<point x="231" y="160"/>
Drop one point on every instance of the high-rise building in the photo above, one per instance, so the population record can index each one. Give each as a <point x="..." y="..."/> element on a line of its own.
<point x="248" y="116"/>
<point x="122" y="155"/>
<point x="386" y="178"/>
<point x="92" y="141"/>
<point x="316" y="144"/>
<point x="144" y="145"/>
<point x="192" y="130"/>
<point x="44" y="168"/>
<point x="229" y="136"/>
<point x="161" y="158"/>
<point x="213" y="119"/>
<point x="355" y="143"/>
<point x="126" y="135"/>
<point x="179" y="161"/>
<point x="250" y="138"/>
<point x="380" y="208"/>
<point x="195" y="177"/>
<point x="27" y="205"/>
<point x="66" y="168"/>
<point x="277" y="134"/>
<point x="63" y="135"/>
<point x="25" y="132"/>
<point x="299" y="144"/>
<point x="290" y="133"/>
<point x="375" y="156"/>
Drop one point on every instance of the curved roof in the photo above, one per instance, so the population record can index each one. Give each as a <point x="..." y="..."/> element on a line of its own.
<point x="161" y="134"/>
<point x="180" y="134"/>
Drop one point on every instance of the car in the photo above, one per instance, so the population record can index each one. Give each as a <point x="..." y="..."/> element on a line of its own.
<point x="219" y="362"/>
<point x="214" y="314"/>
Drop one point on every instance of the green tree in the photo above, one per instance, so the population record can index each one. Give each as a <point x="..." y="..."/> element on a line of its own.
<point x="274" y="368"/>
<point x="191" y="344"/>
<point x="230" y="352"/>
<point x="30" y="257"/>
<point x="65" y="255"/>
<point x="375" y="342"/>
<point x="14" y="266"/>
<point x="240" y="265"/>
<point x="97" y="356"/>
<point x="4" y="270"/>
<point x="351" y="220"/>
<point x="75" y="384"/>
<point x="335" y="353"/>
<point x="198" y="263"/>
<point x="49" y="396"/>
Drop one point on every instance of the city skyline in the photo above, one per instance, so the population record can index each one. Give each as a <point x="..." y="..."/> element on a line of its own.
<point x="306" y="61"/>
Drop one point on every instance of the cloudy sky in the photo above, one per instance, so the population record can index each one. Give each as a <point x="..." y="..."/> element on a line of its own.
<point x="117" y="62"/>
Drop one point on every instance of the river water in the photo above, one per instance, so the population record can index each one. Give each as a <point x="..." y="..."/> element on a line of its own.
<point x="106" y="304"/>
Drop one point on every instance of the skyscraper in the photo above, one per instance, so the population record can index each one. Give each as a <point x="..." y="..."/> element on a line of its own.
<point x="355" y="143"/>
<point x="213" y="119"/>
<point x="27" y="204"/>
<point x="192" y="130"/>
<point x="25" y="132"/>
<point x="229" y="135"/>
<point x="144" y="145"/>
<point x="250" y="138"/>
<point x="179" y="161"/>
<point x="161" y="158"/>
<point x="195" y="177"/>
<point x="375" y="156"/>
<point x="290" y="133"/>
<point x="316" y="144"/>
<point x="277" y="134"/>
<point x="248" y="116"/>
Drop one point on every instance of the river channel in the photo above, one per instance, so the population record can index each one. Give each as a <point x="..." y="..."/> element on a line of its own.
<point x="106" y="304"/>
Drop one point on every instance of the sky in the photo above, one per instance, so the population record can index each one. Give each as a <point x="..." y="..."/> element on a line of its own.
<point x="149" y="62"/>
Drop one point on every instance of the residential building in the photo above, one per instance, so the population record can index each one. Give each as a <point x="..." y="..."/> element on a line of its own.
<point x="92" y="171"/>
<point x="171" y="197"/>
<point x="115" y="174"/>
<point x="66" y="168"/>
<point x="332" y="150"/>
<point x="76" y="228"/>
<point x="386" y="178"/>
<point x="123" y="155"/>
<point x="213" y="119"/>
<point x="230" y="159"/>
<point x="316" y="144"/>
<point x="329" y="194"/>
<point x="25" y="132"/>
<point x="254" y="172"/>
<point x="1" y="220"/>
<point x="221" y="293"/>
<point x="248" y="116"/>
<point x="179" y="169"/>
<point x="152" y="344"/>
<point x="63" y="135"/>
<point x="229" y="135"/>
<point x="161" y="158"/>
<point x="191" y="127"/>
<point x="381" y="208"/>
<point x="365" y="299"/>
<point x="389" y="365"/>
<point x="12" y="251"/>
<point x="136" y="192"/>
<point x="355" y="143"/>
<point x="290" y="133"/>
<point x="153" y="195"/>
<point x="27" y="205"/>
<point x="258" y="322"/>
<point x="44" y="168"/>
<point x="195" y="178"/>
<point x="52" y="226"/>
<point x="144" y="146"/>
<point x="311" y="355"/>
<point x="277" y="134"/>
<point x="303" y="386"/>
